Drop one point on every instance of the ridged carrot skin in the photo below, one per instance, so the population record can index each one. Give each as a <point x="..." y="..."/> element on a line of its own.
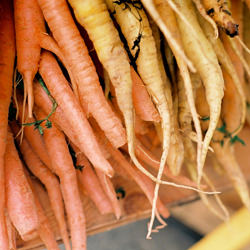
<point x="28" y="18"/>
<point x="90" y="183"/>
<point x="32" y="135"/>
<point x="20" y="199"/>
<point x="234" y="79"/>
<point x="65" y="32"/>
<point x="7" y="58"/>
<point x="134" y="23"/>
<point x="44" y="228"/>
<point x="207" y="66"/>
<point x="57" y="84"/>
<point x="49" y="180"/>
<point x="168" y="16"/>
<point x="63" y="165"/>
<point x="143" y="104"/>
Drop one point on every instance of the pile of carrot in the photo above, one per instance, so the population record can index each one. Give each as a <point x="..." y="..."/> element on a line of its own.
<point x="91" y="89"/>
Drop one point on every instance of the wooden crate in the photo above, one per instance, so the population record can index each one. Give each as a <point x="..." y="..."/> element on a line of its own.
<point x="136" y="206"/>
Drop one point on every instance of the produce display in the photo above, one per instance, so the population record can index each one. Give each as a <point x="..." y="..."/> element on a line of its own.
<point x="92" y="89"/>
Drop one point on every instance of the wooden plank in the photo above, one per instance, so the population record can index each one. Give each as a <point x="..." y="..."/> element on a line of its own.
<point x="135" y="205"/>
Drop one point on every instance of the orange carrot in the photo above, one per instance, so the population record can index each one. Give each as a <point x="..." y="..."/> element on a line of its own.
<point x="72" y="45"/>
<point x="143" y="105"/>
<point x="43" y="102"/>
<point x="44" y="229"/>
<point x="147" y="186"/>
<point x="27" y="23"/>
<point x="11" y="233"/>
<point x="57" y="85"/>
<point x="7" y="52"/>
<point x="91" y="184"/>
<point x="49" y="180"/>
<point x="20" y="199"/>
<point x="33" y="137"/>
<point x="110" y="192"/>
<point x="62" y="164"/>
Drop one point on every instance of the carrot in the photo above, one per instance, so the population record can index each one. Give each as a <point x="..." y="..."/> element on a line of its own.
<point x="44" y="229"/>
<point x="206" y="16"/>
<point x="47" y="42"/>
<point x="246" y="39"/>
<point x="209" y="69"/>
<point x="43" y="102"/>
<point x="62" y="164"/>
<point x="11" y="233"/>
<point x="144" y="182"/>
<point x="33" y="137"/>
<point x="143" y="105"/>
<point x="233" y="75"/>
<point x="220" y="13"/>
<point x="190" y="153"/>
<point x="176" y="151"/>
<point x="203" y="109"/>
<point x="57" y="85"/>
<point x="248" y="3"/>
<point x="27" y="42"/>
<point x="96" y="20"/>
<point x="82" y="68"/>
<point x="7" y="51"/>
<point x="226" y="158"/>
<point x="147" y="66"/>
<point x="149" y="5"/>
<point x="146" y="156"/>
<point x="20" y="199"/>
<point x="110" y="192"/>
<point x="90" y="183"/>
<point x="49" y="180"/>
<point x="168" y="17"/>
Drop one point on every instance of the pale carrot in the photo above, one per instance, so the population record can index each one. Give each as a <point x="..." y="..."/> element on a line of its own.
<point x="227" y="159"/>
<point x="219" y="11"/>
<point x="62" y="164"/>
<point x="20" y="199"/>
<point x="147" y="65"/>
<point x="233" y="75"/>
<point x="209" y="69"/>
<point x="7" y="51"/>
<point x="76" y="54"/>
<point x="169" y="19"/>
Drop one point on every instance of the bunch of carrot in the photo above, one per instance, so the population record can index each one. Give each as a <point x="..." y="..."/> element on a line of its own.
<point x="92" y="89"/>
